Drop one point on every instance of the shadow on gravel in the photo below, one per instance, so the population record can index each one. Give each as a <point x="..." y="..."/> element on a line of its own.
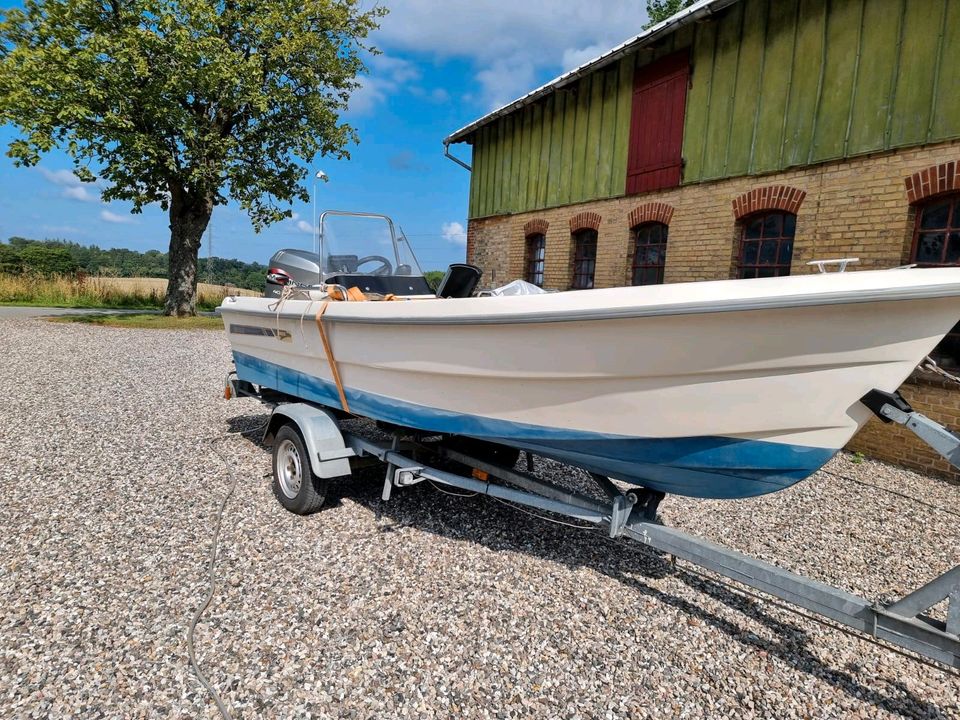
<point x="500" y="526"/>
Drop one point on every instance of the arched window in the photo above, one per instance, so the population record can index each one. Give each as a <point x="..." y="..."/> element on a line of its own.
<point x="649" y="253"/>
<point x="936" y="237"/>
<point x="766" y="244"/>
<point x="936" y="242"/>
<point x="534" y="257"/>
<point x="584" y="258"/>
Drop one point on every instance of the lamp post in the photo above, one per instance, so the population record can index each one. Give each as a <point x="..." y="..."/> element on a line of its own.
<point x="320" y="175"/>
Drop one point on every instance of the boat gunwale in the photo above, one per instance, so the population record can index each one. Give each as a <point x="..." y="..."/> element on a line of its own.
<point x="780" y="302"/>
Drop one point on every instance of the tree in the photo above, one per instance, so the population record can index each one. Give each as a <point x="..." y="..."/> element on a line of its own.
<point x="10" y="260"/>
<point x="660" y="10"/>
<point x="185" y="103"/>
<point x="47" y="260"/>
<point x="434" y="277"/>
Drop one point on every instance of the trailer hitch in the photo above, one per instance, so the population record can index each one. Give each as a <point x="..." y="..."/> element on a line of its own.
<point x="892" y="407"/>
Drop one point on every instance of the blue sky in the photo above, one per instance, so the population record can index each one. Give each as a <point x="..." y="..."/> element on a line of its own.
<point x="443" y="65"/>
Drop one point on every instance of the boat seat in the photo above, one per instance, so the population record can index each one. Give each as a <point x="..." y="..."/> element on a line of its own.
<point x="460" y="281"/>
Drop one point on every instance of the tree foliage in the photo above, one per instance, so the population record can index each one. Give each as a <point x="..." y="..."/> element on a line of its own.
<point x="185" y="103"/>
<point x="47" y="260"/>
<point x="660" y="10"/>
<point x="10" y="261"/>
<point x="434" y="277"/>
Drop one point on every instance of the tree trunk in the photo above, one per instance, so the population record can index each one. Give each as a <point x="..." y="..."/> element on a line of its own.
<point x="189" y="216"/>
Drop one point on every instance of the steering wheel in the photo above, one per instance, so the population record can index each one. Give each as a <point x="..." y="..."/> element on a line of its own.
<point x="386" y="268"/>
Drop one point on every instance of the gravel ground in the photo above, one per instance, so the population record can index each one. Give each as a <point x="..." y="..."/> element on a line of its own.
<point x="430" y="606"/>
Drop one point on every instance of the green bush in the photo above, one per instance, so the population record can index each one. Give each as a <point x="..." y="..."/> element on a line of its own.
<point x="10" y="260"/>
<point x="47" y="260"/>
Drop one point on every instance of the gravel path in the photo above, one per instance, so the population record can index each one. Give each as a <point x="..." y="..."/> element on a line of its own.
<point x="437" y="607"/>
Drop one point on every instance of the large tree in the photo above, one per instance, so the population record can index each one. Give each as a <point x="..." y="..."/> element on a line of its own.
<point x="660" y="10"/>
<point x="185" y="103"/>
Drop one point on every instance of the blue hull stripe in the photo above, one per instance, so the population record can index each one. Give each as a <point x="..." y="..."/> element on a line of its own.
<point x="706" y="467"/>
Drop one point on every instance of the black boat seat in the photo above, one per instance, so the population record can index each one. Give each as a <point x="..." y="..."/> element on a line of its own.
<point x="460" y="281"/>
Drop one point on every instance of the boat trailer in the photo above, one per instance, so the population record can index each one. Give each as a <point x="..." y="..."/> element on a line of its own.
<point x="628" y="513"/>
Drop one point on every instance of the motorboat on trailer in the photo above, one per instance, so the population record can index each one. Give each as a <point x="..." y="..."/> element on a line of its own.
<point x="721" y="389"/>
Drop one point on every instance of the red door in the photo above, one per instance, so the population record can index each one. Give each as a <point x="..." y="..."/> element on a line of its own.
<point x="654" y="158"/>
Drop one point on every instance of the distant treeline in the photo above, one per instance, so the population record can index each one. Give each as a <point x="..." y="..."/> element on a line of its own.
<point x="60" y="257"/>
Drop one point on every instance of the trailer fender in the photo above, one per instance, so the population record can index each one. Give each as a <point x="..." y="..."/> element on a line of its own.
<point x="329" y="455"/>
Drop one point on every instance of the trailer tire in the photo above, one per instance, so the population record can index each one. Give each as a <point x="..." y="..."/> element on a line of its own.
<point x="294" y="484"/>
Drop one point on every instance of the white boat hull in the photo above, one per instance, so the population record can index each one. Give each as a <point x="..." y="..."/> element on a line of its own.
<point x="723" y="389"/>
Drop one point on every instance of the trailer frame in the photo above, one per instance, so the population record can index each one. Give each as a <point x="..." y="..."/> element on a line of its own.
<point x="630" y="513"/>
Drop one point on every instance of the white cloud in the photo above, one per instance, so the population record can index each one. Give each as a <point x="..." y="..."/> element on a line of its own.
<point x="387" y="75"/>
<point x="574" y="58"/>
<point x="79" y="193"/>
<point x="506" y="80"/>
<point x="390" y="75"/>
<point x="395" y="69"/>
<point x="454" y="232"/>
<point x="366" y="97"/>
<point x="510" y="43"/>
<point x="63" y="178"/>
<point x="304" y="227"/>
<point x="73" y="187"/>
<point x="110" y="217"/>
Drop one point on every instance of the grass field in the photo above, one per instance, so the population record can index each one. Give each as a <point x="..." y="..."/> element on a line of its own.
<point x="155" y="322"/>
<point x="102" y="292"/>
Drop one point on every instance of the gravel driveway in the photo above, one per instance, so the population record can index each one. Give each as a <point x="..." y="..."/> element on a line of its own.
<point x="435" y="607"/>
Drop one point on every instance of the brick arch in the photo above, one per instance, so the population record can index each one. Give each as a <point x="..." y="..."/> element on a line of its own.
<point x="584" y="221"/>
<point x="771" y="197"/>
<point x="537" y="226"/>
<point x="934" y="180"/>
<point x="650" y="212"/>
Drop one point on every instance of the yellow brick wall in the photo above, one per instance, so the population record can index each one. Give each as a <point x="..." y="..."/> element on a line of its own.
<point x="896" y="444"/>
<point x="854" y="208"/>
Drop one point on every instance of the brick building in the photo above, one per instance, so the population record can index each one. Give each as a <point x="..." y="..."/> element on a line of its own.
<point x="740" y="138"/>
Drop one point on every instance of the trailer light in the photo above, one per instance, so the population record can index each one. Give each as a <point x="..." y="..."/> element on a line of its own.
<point x="480" y="475"/>
<point x="407" y="476"/>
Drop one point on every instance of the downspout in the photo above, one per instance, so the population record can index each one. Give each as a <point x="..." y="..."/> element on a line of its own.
<point x="458" y="161"/>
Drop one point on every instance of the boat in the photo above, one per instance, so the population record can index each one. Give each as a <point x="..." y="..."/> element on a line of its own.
<point x="719" y="389"/>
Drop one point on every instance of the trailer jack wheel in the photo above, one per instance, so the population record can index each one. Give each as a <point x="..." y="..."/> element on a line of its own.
<point x="294" y="483"/>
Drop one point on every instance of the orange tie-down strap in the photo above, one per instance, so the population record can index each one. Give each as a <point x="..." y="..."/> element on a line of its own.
<point x="331" y="361"/>
<point x="355" y="294"/>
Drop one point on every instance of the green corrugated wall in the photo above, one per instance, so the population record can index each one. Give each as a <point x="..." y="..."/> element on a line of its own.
<point x="537" y="157"/>
<point x="775" y="84"/>
<point x="818" y="80"/>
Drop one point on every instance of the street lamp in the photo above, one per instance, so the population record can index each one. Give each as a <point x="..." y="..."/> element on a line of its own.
<point x="320" y="175"/>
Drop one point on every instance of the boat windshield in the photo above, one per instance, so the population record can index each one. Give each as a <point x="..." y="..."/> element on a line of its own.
<point x="364" y="244"/>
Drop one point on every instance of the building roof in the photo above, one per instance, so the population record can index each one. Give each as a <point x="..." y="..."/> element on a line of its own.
<point x="697" y="11"/>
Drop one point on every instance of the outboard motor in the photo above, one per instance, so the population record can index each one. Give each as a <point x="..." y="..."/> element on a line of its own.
<point x="460" y="281"/>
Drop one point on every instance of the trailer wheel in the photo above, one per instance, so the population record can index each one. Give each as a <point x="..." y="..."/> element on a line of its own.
<point x="294" y="483"/>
